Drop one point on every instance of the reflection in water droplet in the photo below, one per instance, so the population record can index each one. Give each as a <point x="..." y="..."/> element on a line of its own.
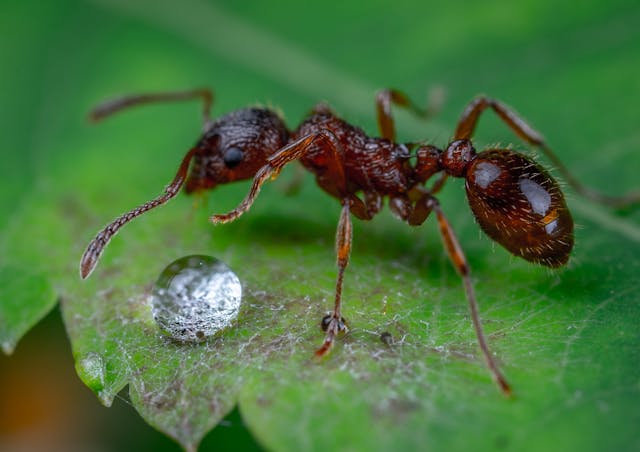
<point x="194" y="297"/>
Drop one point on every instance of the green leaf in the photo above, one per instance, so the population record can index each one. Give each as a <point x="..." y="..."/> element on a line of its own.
<point x="24" y="300"/>
<point x="568" y="341"/>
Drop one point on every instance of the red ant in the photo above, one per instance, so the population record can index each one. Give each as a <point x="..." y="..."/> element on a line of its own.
<point x="515" y="201"/>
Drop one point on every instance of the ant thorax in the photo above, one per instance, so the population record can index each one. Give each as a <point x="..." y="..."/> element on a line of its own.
<point x="370" y="164"/>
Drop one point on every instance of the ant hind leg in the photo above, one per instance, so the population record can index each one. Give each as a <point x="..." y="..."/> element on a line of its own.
<point x="469" y="120"/>
<point x="423" y="207"/>
<point x="459" y="261"/>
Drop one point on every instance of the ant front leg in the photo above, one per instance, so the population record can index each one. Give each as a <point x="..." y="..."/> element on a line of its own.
<point x="275" y="163"/>
<point x="113" y="106"/>
<point x="332" y="324"/>
<point x="388" y="97"/>
<point x="469" y="120"/>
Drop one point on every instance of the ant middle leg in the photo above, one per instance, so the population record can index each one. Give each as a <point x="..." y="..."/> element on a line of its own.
<point x="387" y="97"/>
<point x="334" y="324"/>
<point x="469" y="120"/>
<point x="113" y="106"/>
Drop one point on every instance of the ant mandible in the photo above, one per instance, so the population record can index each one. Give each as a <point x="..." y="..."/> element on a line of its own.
<point x="515" y="201"/>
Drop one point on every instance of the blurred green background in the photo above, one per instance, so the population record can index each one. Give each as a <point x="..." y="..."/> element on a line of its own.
<point x="572" y="69"/>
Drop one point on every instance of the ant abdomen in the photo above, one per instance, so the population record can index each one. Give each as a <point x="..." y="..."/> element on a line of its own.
<point x="519" y="205"/>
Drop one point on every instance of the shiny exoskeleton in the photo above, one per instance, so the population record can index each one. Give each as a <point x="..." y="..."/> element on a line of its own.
<point x="515" y="201"/>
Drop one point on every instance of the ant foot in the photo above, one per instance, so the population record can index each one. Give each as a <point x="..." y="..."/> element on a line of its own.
<point x="333" y="327"/>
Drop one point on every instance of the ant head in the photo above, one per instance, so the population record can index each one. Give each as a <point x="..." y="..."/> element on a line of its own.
<point x="519" y="205"/>
<point x="235" y="147"/>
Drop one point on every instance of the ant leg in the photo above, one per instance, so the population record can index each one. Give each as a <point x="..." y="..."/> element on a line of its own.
<point x="275" y="163"/>
<point x="333" y="324"/>
<point x="96" y="247"/>
<point x="373" y="204"/>
<point x="469" y="120"/>
<point x="387" y="97"/>
<point x="413" y="207"/>
<point x="459" y="261"/>
<point x="110" y="107"/>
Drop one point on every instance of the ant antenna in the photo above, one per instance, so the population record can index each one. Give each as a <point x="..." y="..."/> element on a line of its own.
<point x="114" y="106"/>
<point x="97" y="245"/>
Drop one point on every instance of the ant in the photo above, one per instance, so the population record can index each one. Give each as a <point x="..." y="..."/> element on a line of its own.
<point x="514" y="200"/>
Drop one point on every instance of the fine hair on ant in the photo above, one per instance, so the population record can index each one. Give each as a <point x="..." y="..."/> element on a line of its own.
<point x="514" y="200"/>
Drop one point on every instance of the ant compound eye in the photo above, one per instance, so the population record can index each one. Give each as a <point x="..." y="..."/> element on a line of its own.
<point x="232" y="157"/>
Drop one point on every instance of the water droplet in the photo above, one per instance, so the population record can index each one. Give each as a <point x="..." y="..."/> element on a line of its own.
<point x="91" y="370"/>
<point x="194" y="297"/>
<point x="8" y="346"/>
